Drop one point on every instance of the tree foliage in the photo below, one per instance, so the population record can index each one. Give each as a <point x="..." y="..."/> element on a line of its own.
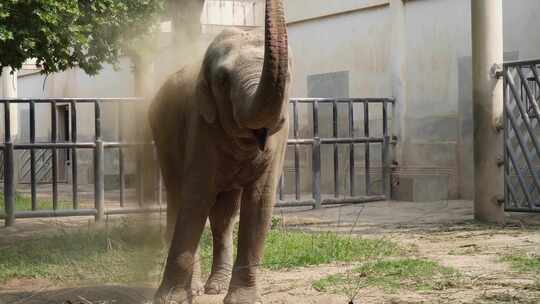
<point x="61" y="34"/>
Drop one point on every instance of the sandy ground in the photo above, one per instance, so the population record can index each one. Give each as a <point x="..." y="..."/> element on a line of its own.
<point x="440" y="231"/>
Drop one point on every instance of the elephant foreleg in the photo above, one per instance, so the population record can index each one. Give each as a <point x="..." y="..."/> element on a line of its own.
<point x="222" y="221"/>
<point x="255" y="215"/>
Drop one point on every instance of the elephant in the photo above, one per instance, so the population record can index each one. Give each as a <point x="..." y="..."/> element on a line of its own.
<point x="220" y="128"/>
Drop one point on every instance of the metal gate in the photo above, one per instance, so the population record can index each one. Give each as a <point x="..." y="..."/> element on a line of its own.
<point x="522" y="136"/>
<point x="363" y="137"/>
<point x="367" y="153"/>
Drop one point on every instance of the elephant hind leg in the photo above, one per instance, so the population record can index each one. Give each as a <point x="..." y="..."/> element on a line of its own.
<point x="176" y="286"/>
<point x="222" y="222"/>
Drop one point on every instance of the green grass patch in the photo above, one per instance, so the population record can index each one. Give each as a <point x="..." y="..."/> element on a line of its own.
<point x="523" y="262"/>
<point x="24" y="203"/>
<point x="93" y="256"/>
<point x="294" y="249"/>
<point x="391" y="275"/>
<point x="131" y="252"/>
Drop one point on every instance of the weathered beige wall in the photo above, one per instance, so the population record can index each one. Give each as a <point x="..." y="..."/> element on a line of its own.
<point x="302" y="10"/>
<point x="429" y="71"/>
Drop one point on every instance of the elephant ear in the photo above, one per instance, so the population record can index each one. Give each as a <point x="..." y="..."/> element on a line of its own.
<point x="205" y="102"/>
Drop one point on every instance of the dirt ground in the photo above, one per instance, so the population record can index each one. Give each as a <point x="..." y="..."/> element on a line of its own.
<point x="441" y="231"/>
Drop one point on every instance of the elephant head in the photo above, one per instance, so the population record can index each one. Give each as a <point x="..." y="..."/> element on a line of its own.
<point x="243" y="82"/>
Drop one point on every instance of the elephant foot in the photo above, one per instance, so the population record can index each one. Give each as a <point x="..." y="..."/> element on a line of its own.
<point x="243" y="295"/>
<point x="197" y="288"/>
<point x="216" y="284"/>
<point x="173" y="296"/>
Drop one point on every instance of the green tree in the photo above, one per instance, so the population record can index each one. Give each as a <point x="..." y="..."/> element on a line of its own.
<point x="61" y="34"/>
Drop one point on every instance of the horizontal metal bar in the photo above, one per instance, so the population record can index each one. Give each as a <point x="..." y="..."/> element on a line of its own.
<point x="156" y="209"/>
<point x="52" y="213"/>
<point x="51" y="145"/>
<point x="296" y="203"/>
<point x="300" y="141"/>
<point x="521" y="62"/>
<point x="151" y="209"/>
<point x="78" y="100"/>
<point x="138" y="99"/>
<point x="352" y="140"/>
<point x="354" y="200"/>
<point x="332" y="201"/>
<point x="526" y="210"/>
<point x="111" y="144"/>
<point x="342" y="100"/>
<point x="80" y="145"/>
<point x="345" y="140"/>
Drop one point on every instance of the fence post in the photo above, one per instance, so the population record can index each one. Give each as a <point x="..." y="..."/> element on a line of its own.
<point x="386" y="184"/>
<point x="316" y="157"/>
<point x="317" y="172"/>
<point x="9" y="170"/>
<point x="74" y="169"/>
<point x="99" y="167"/>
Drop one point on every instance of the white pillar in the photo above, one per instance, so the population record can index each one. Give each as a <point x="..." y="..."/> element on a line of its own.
<point x="487" y="41"/>
<point x="9" y="90"/>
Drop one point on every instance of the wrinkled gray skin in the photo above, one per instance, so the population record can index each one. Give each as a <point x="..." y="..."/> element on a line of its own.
<point x="220" y="129"/>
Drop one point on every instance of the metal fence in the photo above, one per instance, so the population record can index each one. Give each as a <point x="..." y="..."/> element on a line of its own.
<point x="522" y="136"/>
<point x="99" y="145"/>
<point x="352" y="140"/>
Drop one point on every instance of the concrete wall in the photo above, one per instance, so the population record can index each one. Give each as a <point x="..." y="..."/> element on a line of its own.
<point x="420" y="53"/>
<point x="520" y="25"/>
<point x="438" y="94"/>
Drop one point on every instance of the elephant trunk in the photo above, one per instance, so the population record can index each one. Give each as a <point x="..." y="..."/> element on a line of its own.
<point x="267" y="104"/>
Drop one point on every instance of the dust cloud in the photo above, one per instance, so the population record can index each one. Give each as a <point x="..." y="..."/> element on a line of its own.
<point x="179" y="43"/>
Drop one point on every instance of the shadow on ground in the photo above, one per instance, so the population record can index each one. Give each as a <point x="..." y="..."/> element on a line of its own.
<point x="81" y="295"/>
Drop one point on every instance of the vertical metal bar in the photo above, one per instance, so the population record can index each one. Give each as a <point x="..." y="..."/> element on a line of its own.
<point x="99" y="166"/>
<point x="54" y="139"/>
<point x="351" y="149"/>
<point x="336" y="150"/>
<point x="281" y="185"/>
<point x="297" y="187"/>
<point x="9" y="170"/>
<point x="316" y="157"/>
<point x="140" y="181"/>
<point x="158" y="176"/>
<point x="74" y="174"/>
<point x="120" y="154"/>
<point x="160" y="190"/>
<point x="385" y="151"/>
<point x="505" y="140"/>
<point x="33" y="155"/>
<point x="367" y="149"/>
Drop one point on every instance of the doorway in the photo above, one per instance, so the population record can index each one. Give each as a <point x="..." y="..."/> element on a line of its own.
<point x="63" y="135"/>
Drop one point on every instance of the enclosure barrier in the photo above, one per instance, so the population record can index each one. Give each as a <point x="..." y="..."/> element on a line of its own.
<point x="316" y="142"/>
<point x="522" y="136"/>
<point x="99" y="145"/>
